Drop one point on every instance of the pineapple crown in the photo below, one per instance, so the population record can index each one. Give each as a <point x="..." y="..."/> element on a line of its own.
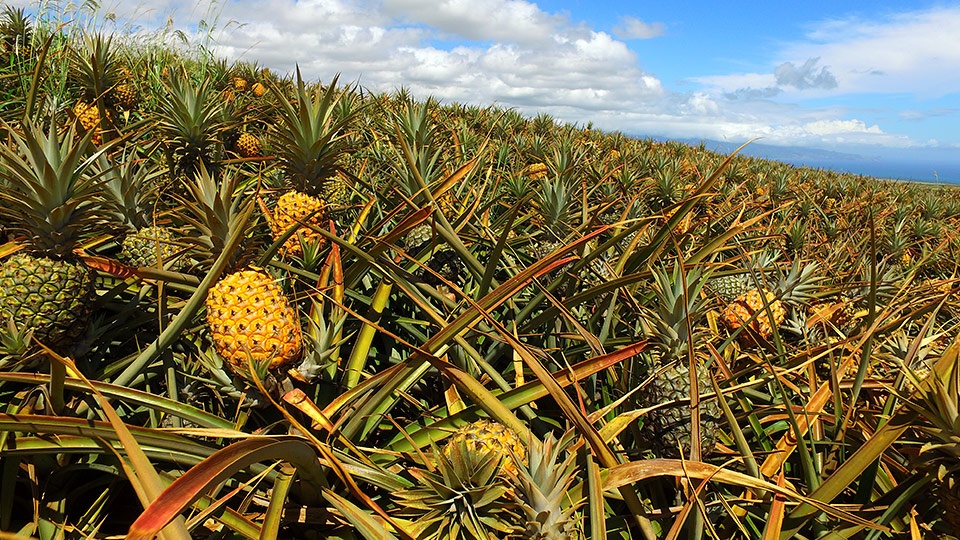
<point x="311" y="136"/>
<point x="543" y="493"/>
<point x="217" y="211"/>
<point x="54" y="196"/>
<point x="678" y="300"/>
<point x="800" y="284"/>
<point x="15" y="30"/>
<point x="94" y="67"/>
<point x="465" y="498"/>
<point x="191" y="122"/>
<point x="554" y="204"/>
<point x="130" y="190"/>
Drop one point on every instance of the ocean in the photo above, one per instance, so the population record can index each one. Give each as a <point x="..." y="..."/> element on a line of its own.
<point x="898" y="169"/>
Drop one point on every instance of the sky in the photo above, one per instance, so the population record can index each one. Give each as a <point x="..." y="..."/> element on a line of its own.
<point x="845" y="76"/>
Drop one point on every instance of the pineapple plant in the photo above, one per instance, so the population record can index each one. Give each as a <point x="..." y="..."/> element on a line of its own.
<point x="466" y="498"/>
<point x="131" y="191"/>
<point x="936" y="398"/>
<point x="309" y="143"/>
<point x="190" y="124"/>
<point x="16" y="36"/>
<point x="94" y="69"/>
<point x="680" y="308"/>
<point x="51" y="203"/>
<point x="247" y="312"/>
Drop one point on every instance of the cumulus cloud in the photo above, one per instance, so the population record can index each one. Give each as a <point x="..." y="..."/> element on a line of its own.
<point x="804" y="77"/>
<point x="509" y="21"/>
<point x="514" y="53"/>
<point x="634" y="28"/>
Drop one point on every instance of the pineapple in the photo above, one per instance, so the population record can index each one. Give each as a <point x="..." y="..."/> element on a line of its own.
<point x="417" y="238"/>
<point x="444" y="265"/>
<point x="247" y="145"/>
<point x="337" y="190"/>
<point x="51" y="203"/>
<point x="240" y="83"/>
<point x="729" y="287"/>
<point x="295" y="209"/>
<point x="125" y="95"/>
<point x="249" y="315"/>
<point x="536" y="171"/>
<point x="668" y="428"/>
<point x="485" y="437"/>
<point x="749" y="310"/>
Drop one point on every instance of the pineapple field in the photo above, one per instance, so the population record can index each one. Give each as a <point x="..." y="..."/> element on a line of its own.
<point x="240" y="304"/>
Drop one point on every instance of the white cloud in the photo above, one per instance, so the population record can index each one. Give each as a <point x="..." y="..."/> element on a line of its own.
<point x="514" y="54"/>
<point x="634" y="28"/>
<point x="510" y="21"/>
<point x="915" y="52"/>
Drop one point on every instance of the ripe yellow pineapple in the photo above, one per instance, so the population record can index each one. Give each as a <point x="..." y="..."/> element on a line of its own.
<point x="484" y="436"/>
<point x="87" y="114"/>
<point x="248" y="145"/>
<point x="738" y="312"/>
<point x="536" y="171"/>
<point x="248" y="313"/>
<point x="240" y="84"/>
<point x="258" y="89"/>
<point x="294" y="207"/>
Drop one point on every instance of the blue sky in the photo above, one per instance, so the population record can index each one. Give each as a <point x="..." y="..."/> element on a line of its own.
<point x="882" y="76"/>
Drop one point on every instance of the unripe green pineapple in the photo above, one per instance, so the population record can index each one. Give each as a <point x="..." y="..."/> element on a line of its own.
<point x="729" y="287"/>
<point x="418" y="237"/>
<point x="336" y="190"/>
<point x="50" y="296"/>
<point x="668" y="428"/>
<point x="149" y="245"/>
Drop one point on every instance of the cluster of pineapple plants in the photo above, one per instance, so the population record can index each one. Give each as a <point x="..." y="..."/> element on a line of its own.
<point x="242" y="304"/>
